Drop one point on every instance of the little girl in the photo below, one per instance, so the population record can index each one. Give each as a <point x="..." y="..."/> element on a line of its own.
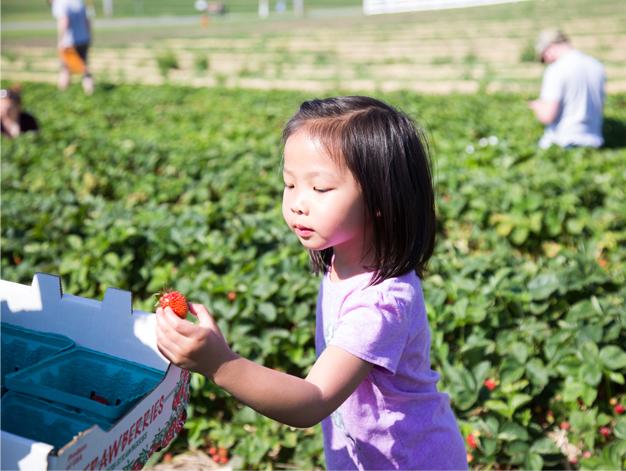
<point x="358" y="195"/>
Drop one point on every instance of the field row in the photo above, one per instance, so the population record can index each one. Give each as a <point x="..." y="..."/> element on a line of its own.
<point x="431" y="52"/>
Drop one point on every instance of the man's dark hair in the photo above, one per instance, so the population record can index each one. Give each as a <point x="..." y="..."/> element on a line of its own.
<point x="388" y="157"/>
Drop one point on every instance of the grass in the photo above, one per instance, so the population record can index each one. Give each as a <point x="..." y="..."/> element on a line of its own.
<point x="528" y="54"/>
<point x="166" y="61"/>
<point x="201" y="63"/>
<point x="441" y="60"/>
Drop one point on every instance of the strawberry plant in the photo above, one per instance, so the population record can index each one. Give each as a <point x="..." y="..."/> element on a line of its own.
<point x="143" y="187"/>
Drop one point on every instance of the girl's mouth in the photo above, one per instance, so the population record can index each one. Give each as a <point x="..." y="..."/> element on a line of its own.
<point x="302" y="231"/>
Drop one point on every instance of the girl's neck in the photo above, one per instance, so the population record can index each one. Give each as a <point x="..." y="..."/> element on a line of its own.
<point x="352" y="258"/>
<point x="345" y="266"/>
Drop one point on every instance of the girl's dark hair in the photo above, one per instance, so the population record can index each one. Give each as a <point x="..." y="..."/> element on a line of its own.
<point x="388" y="157"/>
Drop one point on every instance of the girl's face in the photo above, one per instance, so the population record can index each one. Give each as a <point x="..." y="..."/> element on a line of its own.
<point x="322" y="202"/>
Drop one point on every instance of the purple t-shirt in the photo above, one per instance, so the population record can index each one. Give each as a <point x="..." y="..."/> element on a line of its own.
<point x="396" y="418"/>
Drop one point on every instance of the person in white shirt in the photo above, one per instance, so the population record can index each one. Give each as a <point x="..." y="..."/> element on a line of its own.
<point x="572" y="95"/>
<point x="74" y="39"/>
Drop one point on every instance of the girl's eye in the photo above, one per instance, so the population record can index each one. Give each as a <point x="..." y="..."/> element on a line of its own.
<point x="287" y="185"/>
<point x="321" y="190"/>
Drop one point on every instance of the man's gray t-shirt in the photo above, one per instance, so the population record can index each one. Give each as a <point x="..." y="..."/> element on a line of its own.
<point x="576" y="81"/>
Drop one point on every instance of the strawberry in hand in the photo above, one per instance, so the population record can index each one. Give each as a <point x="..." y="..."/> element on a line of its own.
<point x="176" y="301"/>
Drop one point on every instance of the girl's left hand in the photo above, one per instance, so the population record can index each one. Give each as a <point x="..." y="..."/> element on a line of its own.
<point x="198" y="347"/>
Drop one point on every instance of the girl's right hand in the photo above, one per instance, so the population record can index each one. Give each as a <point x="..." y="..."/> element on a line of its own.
<point x="198" y="347"/>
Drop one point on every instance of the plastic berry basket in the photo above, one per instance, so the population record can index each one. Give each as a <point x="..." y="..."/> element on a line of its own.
<point x="43" y="421"/>
<point x="23" y="347"/>
<point x="91" y="381"/>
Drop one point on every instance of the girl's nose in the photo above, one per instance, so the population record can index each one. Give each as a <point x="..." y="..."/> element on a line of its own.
<point x="298" y="206"/>
<point x="297" y="209"/>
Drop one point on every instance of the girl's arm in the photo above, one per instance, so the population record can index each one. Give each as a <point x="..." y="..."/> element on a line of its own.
<point x="280" y="396"/>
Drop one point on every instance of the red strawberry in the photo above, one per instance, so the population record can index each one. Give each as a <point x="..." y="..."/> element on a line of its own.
<point x="490" y="384"/>
<point x="619" y="409"/>
<point x="176" y="301"/>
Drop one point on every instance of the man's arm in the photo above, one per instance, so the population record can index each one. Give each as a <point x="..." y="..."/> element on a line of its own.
<point x="546" y="111"/>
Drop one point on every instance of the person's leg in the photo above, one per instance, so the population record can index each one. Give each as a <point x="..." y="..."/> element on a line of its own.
<point x="64" y="77"/>
<point x="87" y="81"/>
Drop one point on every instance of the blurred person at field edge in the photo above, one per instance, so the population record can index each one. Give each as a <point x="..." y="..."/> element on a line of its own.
<point x="74" y="39"/>
<point x="572" y="94"/>
<point x="14" y="121"/>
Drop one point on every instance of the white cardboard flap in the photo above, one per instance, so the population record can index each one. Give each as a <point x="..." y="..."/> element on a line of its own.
<point x="103" y="326"/>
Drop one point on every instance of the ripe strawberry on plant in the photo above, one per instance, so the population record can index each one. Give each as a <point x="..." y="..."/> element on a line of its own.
<point x="174" y="300"/>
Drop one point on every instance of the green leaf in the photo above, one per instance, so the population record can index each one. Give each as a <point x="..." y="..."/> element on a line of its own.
<point x="518" y="400"/>
<point x="519" y="350"/>
<point x="533" y="461"/>
<point x="537" y="373"/>
<point x="481" y="371"/>
<point x="510" y="431"/>
<point x="573" y="389"/>
<point x="520" y="235"/>
<point x="544" y="446"/>
<point x="497" y="406"/>
<point x="613" y="357"/>
<point x="268" y="311"/>
<point x="543" y="286"/>
<point x="489" y="445"/>
<point x="517" y="451"/>
<point x="511" y="370"/>
<point x="591" y="373"/>
<point x="620" y="428"/>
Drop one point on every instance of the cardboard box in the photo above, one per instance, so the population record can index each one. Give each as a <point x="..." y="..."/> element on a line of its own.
<point x="113" y="328"/>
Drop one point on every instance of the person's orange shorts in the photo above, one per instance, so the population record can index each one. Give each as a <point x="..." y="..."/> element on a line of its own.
<point x="72" y="60"/>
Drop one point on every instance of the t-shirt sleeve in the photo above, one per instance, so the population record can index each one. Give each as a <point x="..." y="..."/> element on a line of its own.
<point x="373" y="327"/>
<point x="551" y="86"/>
<point x="59" y="9"/>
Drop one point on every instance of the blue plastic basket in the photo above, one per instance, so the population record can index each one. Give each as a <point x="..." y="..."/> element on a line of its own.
<point x="23" y="347"/>
<point x="43" y="421"/>
<point x="91" y="381"/>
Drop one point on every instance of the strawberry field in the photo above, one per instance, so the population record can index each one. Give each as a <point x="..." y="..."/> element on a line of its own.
<point x="143" y="187"/>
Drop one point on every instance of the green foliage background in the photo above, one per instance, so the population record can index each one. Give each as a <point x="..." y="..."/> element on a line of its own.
<point x="141" y="187"/>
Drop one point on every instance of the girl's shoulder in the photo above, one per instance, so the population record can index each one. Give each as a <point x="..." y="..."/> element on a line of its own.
<point x="401" y="292"/>
<point x="407" y="283"/>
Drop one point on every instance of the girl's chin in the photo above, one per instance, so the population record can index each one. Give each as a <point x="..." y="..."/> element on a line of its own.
<point x="312" y="244"/>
